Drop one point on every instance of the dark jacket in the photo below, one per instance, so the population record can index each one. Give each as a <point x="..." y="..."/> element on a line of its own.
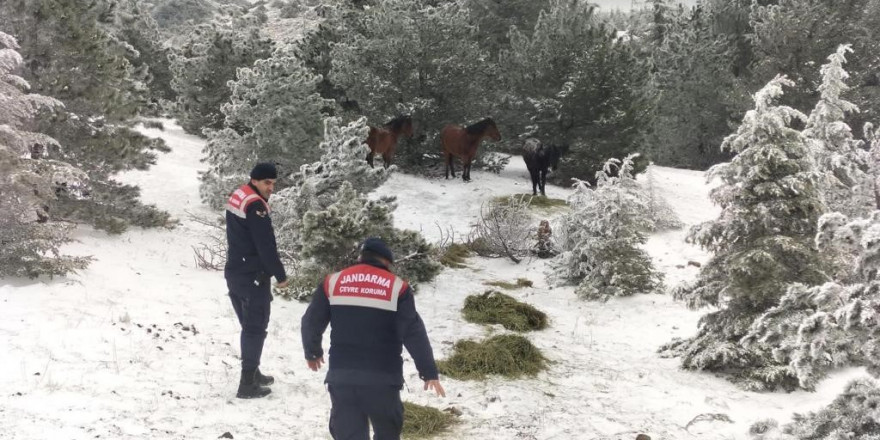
<point x="370" y="327"/>
<point x="252" y="256"/>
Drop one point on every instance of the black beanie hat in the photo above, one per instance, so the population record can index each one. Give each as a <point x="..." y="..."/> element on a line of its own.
<point x="264" y="170"/>
<point x="378" y="247"/>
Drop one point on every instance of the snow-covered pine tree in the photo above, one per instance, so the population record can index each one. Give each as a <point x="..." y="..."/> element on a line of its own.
<point x="274" y="113"/>
<point x="841" y="158"/>
<point x="570" y="81"/>
<point x="29" y="243"/>
<point x="602" y="236"/>
<point x="101" y="97"/>
<point x="761" y="242"/>
<point x="820" y="328"/>
<point x="208" y="59"/>
<point x="136" y="27"/>
<point x="387" y="62"/>
<point x="854" y="414"/>
<point x="326" y="214"/>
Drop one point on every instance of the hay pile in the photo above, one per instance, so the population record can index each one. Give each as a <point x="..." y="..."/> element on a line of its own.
<point x="511" y="356"/>
<point x="494" y="307"/>
<point x="423" y="421"/>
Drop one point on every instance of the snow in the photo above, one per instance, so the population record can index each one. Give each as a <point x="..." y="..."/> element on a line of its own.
<point x="143" y="344"/>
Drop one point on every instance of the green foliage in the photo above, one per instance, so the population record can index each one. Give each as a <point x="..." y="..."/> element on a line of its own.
<point x="699" y="95"/>
<point x="511" y="356"/>
<point x="602" y="237"/>
<point x="792" y="37"/>
<point x="424" y="422"/>
<point x="572" y="82"/>
<point x="493" y="307"/>
<point x="855" y="414"/>
<point x="136" y="27"/>
<point x="207" y="60"/>
<point x="761" y="242"/>
<point x="274" y="113"/>
<point x="30" y="242"/>
<point x="75" y="58"/>
<point x="388" y="64"/>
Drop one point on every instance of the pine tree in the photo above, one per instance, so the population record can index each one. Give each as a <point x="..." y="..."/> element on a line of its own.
<point x="73" y="57"/>
<point x="29" y="244"/>
<point x="820" y="328"/>
<point x="761" y="242"/>
<point x="698" y="92"/>
<point x="854" y="414"/>
<point x="794" y="36"/>
<point x="208" y="60"/>
<point x="603" y="236"/>
<point x="274" y="113"/>
<point x="571" y="82"/>
<point x="845" y="185"/>
<point x="325" y="214"/>
<point x="388" y="65"/>
<point x="136" y="27"/>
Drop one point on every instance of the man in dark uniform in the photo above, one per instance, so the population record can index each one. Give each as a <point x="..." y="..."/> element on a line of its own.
<point x="373" y="316"/>
<point x="251" y="261"/>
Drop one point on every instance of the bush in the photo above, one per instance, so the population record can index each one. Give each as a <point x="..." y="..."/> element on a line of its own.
<point x="511" y="356"/>
<point x="494" y="307"/>
<point x="423" y="421"/>
<point x="454" y="255"/>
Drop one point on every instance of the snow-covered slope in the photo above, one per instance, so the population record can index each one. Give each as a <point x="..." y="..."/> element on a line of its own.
<point x="143" y="344"/>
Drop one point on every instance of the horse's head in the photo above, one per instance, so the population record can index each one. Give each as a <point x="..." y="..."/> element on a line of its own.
<point x="554" y="153"/>
<point x="492" y="130"/>
<point x="406" y="129"/>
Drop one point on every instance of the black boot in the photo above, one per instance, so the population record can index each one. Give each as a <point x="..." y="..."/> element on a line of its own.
<point x="262" y="379"/>
<point x="248" y="388"/>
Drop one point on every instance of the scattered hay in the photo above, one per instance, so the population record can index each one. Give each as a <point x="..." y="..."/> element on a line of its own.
<point x="534" y="201"/>
<point x="511" y="356"/>
<point x="520" y="283"/>
<point x="495" y="307"/>
<point x="454" y="255"/>
<point x="423" y="421"/>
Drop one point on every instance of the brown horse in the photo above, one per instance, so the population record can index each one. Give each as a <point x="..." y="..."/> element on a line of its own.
<point x="383" y="140"/>
<point x="462" y="142"/>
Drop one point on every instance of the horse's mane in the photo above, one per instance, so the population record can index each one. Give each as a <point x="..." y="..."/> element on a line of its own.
<point x="479" y="127"/>
<point x="396" y="124"/>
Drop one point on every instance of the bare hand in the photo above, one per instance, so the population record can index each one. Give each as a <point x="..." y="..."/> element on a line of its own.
<point x="435" y="385"/>
<point x="316" y="364"/>
<point x="283" y="284"/>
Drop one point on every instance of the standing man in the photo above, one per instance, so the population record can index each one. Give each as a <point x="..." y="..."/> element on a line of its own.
<point x="252" y="259"/>
<point x="373" y="316"/>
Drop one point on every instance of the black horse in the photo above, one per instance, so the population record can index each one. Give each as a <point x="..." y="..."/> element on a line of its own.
<point x="538" y="158"/>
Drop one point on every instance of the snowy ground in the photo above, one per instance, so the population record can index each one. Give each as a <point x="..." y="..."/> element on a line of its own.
<point x="143" y="344"/>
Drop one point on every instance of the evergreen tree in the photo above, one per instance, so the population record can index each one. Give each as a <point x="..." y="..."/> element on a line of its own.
<point x="72" y="57"/>
<point x="572" y="82"/>
<point x="137" y="28"/>
<point x="699" y="95"/>
<point x="274" y="113"/>
<point x="845" y="185"/>
<point x="761" y="242"/>
<point x="209" y="58"/>
<point x="389" y="65"/>
<point x="29" y="244"/>
<point x="819" y="328"/>
<point x="327" y="214"/>
<point x="603" y="235"/>
<point x="794" y="36"/>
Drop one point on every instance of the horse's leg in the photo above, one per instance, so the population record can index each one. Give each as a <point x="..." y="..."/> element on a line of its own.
<point x="533" y="174"/>
<point x="466" y="172"/>
<point x="543" y="180"/>
<point x="449" y="165"/>
<point x="370" y="159"/>
<point x="386" y="158"/>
